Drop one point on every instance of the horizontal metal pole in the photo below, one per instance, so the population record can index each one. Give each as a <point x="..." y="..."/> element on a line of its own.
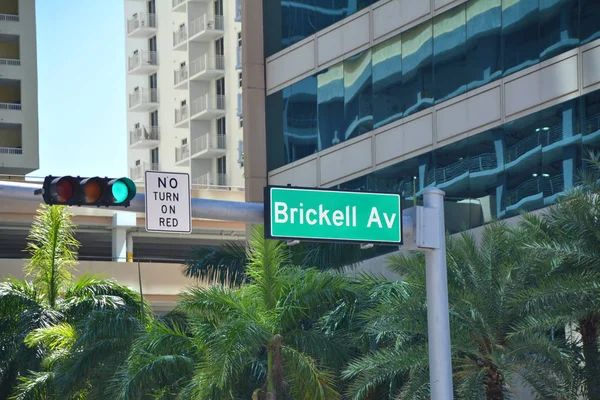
<point x="221" y="210"/>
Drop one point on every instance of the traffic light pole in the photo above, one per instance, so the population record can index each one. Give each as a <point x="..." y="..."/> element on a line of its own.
<point x="201" y="208"/>
<point x="424" y="230"/>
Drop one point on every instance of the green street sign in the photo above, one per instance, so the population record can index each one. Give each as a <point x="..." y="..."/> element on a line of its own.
<point x="332" y="215"/>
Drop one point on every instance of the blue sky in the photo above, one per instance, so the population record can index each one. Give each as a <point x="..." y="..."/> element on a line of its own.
<point x="81" y="87"/>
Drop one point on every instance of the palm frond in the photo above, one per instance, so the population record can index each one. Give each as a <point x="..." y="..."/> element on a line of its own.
<point x="36" y="386"/>
<point x="383" y="367"/>
<point x="53" y="250"/>
<point x="93" y="292"/>
<point x="224" y="264"/>
<point x="151" y="373"/>
<point x="308" y="381"/>
<point x="54" y="337"/>
<point x="266" y="262"/>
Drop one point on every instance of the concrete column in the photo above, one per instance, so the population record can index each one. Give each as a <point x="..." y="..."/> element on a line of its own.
<point x="119" y="244"/>
<point x="121" y="222"/>
<point x="500" y="149"/>
<point x="569" y="152"/>
<point x="253" y="98"/>
<point x="424" y="168"/>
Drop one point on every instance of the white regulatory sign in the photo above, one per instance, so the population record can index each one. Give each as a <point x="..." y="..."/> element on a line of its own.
<point x="168" y="202"/>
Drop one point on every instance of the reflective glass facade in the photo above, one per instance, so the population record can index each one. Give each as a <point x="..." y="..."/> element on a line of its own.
<point x="295" y="20"/>
<point x="522" y="165"/>
<point x="464" y="48"/>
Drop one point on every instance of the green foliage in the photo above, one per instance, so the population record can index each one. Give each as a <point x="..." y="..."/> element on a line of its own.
<point x="60" y="337"/>
<point x="484" y="284"/>
<point x="227" y="263"/>
<point x="53" y="250"/>
<point x="274" y="333"/>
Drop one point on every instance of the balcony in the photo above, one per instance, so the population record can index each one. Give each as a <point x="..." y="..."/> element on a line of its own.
<point x="208" y="107"/>
<point x="11" y="151"/>
<point x="9" y="18"/>
<point x="137" y="173"/>
<point x="182" y="116"/>
<point x="143" y="100"/>
<point x="180" y="39"/>
<point x="141" y="25"/>
<point x="207" y="67"/>
<point x="9" y="62"/>
<point x="143" y="63"/>
<point x="181" y="5"/>
<point x="182" y="154"/>
<point x="10" y="113"/>
<point x="207" y="146"/>
<point x="180" y="78"/>
<point x="206" y="28"/>
<point x="238" y="57"/>
<point x="144" y="138"/>
<point x="202" y="68"/>
<point x="210" y="181"/>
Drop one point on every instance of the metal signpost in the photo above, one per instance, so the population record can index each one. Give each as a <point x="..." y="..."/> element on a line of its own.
<point x="293" y="213"/>
<point x="168" y="204"/>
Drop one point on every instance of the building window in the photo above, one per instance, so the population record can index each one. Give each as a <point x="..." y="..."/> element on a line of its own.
<point x="239" y="39"/>
<point x="239" y="80"/>
<point x="221" y="126"/>
<point x="154" y="157"/>
<point x="220" y="86"/>
<point x="183" y="103"/>
<point x="184" y="141"/>
<point x="241" y="122"/>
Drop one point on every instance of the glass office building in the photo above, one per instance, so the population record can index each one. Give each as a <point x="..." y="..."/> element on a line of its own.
<point x="522" y="164"/>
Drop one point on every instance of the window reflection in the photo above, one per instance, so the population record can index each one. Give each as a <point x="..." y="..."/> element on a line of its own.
<point x="523" y="165"/>
<point x="387" y="82"/>
<point x="559" y="27"/>
<point x="358" y="95"/>
<point x="449" y="54"/>
<point x="417" y="68"/>
<point x="330" y="103"/>
<point x="520" y="32"/>
<point x="484" y="55"/>
<point x="590" y="15"/>
<point x="302" y="18"/>
<point x="300" y="119"/>
<point x="297" y="21"/>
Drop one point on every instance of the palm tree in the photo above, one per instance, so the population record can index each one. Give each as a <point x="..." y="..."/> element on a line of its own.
<point x="269" y="338"/>
<point x="489" y="360"/>
<point x="43" y="318"/>
<point x="568" y="291"/>
<point x="227" y="263"/>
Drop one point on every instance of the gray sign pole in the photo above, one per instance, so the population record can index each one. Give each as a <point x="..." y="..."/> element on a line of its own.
<point x="438" y="320"/>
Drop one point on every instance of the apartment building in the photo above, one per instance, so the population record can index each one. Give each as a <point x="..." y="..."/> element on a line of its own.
<point x="496" y="102"/>
<point x="19" y="151"/>
<point x="184" y="90"/>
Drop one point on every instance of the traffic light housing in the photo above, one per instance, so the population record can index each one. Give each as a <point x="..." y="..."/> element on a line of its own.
<point x="94" y="191"/>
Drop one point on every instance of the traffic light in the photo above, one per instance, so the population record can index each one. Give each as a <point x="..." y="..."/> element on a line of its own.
<point x="95" y="191"/>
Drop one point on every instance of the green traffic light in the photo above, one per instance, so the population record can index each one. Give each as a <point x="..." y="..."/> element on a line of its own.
<point x="120" y="191"/>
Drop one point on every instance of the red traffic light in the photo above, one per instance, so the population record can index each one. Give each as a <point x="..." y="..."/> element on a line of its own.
<point x="62" y="189"/>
